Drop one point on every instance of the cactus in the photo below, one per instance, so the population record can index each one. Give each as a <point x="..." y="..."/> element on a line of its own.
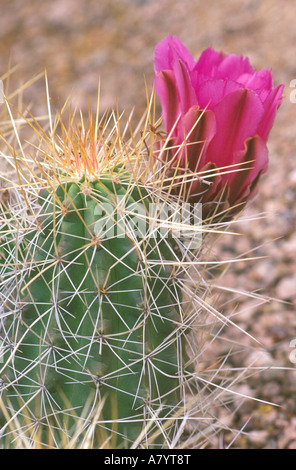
<point x="91" y="301"/>
<point x="101" y="292"/>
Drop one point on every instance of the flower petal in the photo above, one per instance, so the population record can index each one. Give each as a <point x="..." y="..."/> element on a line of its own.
<point x="208" y="62"/>
<point x="211" y="92"/>
<point x="196" y="129"/>
<point x="186" y="91"/>
<point x="233" y="66"/>
<point x="270" y="105"/>
<point x="220" y="65"/>
<point x="253" y="163"/>
<point x="259" y="81"/>
<point x="167" y="91"/>
<point x="168" y="51"/>
<point x="237" y="118"/>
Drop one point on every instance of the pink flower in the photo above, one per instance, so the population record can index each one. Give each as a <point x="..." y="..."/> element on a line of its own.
<point x="223" y="110"/>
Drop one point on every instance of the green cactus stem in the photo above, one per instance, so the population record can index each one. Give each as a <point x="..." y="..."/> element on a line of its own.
<point x="94" y="310"/>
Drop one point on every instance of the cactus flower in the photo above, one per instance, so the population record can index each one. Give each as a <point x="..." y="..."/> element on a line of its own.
<point x="218" y="112"/>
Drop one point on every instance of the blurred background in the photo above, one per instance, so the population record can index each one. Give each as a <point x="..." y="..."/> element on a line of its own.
<point x="78" y="43"/>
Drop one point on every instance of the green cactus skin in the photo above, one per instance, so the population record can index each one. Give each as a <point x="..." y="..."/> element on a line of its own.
<point x="91" y="316"/>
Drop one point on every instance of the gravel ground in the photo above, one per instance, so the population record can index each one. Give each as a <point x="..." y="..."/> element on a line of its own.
<point x="80" y="42"/>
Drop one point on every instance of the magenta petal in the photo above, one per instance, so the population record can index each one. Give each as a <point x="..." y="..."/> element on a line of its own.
<point x="234" y="66"/>
<point x="197" y="129"/>
<point x="186" y="91"/>
<point x="237" y="117"/>
<point x="253" y="163"/>
<point x="211" y="92"/>
<point x="220" y="65"/>
<point x="167" y="91"/>
<point x="168" y="51"/>
<point x="208" y="62"/>
<point x="259" y="81"/>
<point x="270" y="105"/>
